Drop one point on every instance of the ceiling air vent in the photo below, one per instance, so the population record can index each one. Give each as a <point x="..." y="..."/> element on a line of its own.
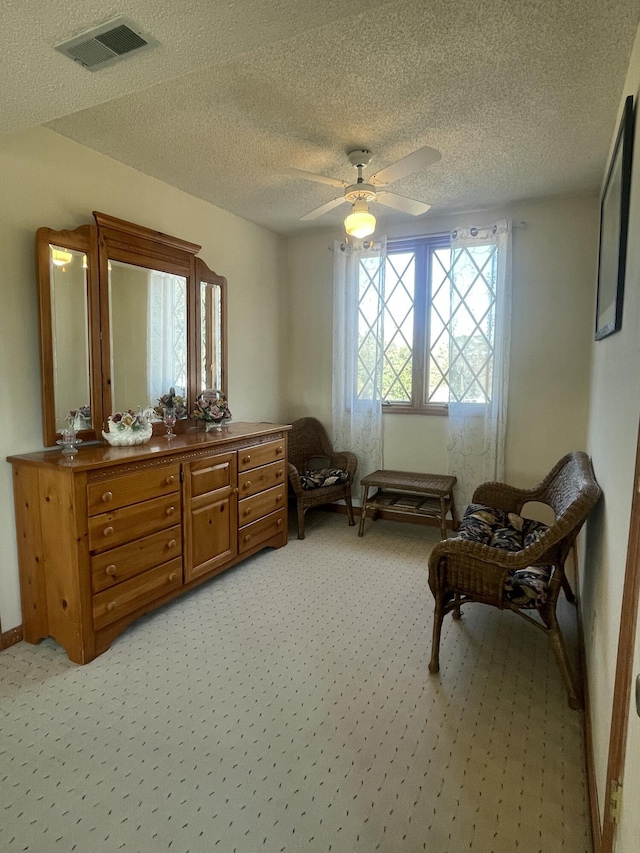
<point x="106" y="44"/>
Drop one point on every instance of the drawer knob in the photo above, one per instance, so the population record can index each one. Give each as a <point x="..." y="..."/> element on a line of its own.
<point x="279" y="472"/>
<point x="173" y="576"/>
<point x="279" y="523"/>
<point x="171" y="543"/>
<point x="111" y="570"/>
<point x="107" y="496"/>
<point x="170" y="479"/>
<point x="246" y="459"/>
<point x="279" y="449"/>
<point x="247" y="538"/>
<point x="112" y="606"/>
<point x="107" y="531"/>
<point x="247" y="511"/>
<point x="278" y="498"/>
<point x="246" y="485"/>
<point x="171" y="510"/>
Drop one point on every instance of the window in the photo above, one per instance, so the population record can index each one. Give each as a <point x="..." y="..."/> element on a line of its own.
<point x="438" y="325"/>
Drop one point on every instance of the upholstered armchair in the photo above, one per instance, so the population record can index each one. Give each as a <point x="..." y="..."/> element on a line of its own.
<point x="500" y="558"/>
<point x="317" y="474"/>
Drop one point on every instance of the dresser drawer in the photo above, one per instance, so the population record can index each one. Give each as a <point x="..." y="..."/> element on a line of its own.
<point x="254" y="457"/>
<point x="131" y="522"/>
<point x="259" y="479"/>
<point x="127" y="489"/>
<point x="212" y="474"/>
<point x="253" y="508"/>
<point x="113" y="604"/>
<point x="119" y="564"/>
<point x="260" y="531"/>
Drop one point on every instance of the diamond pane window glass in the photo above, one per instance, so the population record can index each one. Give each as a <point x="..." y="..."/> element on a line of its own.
<point x="471" y="324"/>
<point x="370" y="322"/>
<point x="397" y="372"/>
<point x="439" y="310"/>
<point x="437" y="326"/>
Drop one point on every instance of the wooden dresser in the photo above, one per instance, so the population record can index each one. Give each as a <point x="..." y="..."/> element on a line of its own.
<point x="119" y="531"/>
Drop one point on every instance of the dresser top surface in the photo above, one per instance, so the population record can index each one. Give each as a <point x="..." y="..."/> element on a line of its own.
<point x="101" y="454"/>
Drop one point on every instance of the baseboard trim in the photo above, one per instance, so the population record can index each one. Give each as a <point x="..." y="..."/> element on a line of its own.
<point x="10" y="638"/>
<point x="592" y="788"/>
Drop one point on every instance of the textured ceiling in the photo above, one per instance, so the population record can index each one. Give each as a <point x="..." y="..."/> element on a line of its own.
<point x="519" y="97"/>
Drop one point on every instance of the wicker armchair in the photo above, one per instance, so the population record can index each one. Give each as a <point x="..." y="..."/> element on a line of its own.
<point x="501" y="559"/>
<point x="318" y="475"/>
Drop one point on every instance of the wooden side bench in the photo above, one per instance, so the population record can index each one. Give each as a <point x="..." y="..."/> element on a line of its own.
<point x="406" y="493"/>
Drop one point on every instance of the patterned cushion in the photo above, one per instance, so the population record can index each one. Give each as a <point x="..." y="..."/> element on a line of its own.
<point x="323" y="477"/>
<point x="526" y="588"/>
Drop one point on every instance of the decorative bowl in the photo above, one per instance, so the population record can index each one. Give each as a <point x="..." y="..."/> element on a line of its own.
<point x="127" y="437"/>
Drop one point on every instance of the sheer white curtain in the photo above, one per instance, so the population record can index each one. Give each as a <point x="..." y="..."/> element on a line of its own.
<point x="481" y="277"/>
<point x="166" y="342"/>
<point x="358" y="315"/>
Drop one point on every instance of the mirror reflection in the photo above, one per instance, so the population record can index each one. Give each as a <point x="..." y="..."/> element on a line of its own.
<point x="70" y="336"/>
<point x="211" y="335"/>
<point x="148" y="335"/>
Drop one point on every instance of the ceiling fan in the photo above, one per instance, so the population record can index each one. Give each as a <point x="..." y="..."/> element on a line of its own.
<point x="360" y="222"/>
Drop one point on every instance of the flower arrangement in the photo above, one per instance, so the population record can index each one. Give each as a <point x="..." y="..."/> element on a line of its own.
<point x="211" y="409"/>
<point x="128" y="428"/>
<point x="171" y="401"/>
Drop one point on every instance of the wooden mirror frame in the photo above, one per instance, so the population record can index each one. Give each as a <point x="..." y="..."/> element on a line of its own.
<point x="207" y="276"/>
<point x="119" y="240"/>
<point x="85" y="240"/>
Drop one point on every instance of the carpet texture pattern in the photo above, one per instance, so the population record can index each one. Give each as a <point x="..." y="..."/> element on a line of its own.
<point x="287" y="706"/>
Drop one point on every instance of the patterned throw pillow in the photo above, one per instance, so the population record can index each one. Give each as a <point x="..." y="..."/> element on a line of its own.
<point x="500" y="529"/>
<point x="323" y="477"/>
<point x="526" y="588"/>
<point x="479" y="523"/>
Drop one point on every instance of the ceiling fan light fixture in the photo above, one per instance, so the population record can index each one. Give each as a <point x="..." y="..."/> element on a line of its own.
<point x="360" y="223"/>
<point x="60" y="258"/>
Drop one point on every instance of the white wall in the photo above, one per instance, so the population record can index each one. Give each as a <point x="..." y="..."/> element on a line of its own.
<point x="554" y="259"/>
<point x="48" y="180"/>
<point x="613" y="431"/>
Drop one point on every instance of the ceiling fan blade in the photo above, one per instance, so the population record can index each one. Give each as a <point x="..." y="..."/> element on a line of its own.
<point x="319" y="179"/>
<point x="325" y="208"/>
<point x="415" y="162"/>
<point x="402" y="203"/>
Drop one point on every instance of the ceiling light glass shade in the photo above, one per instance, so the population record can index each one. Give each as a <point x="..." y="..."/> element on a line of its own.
<point x="60" y="258"/>
<point x="360" y="223"/>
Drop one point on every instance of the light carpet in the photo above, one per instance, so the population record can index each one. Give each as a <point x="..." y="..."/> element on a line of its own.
<point x="287" y="706"/>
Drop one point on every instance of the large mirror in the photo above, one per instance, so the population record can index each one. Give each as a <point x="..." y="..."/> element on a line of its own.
<point x="148" y="335"/>
<point x="126" y="314"/>
<point x="70" y="333"/>
<point x="67" y="262"/>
